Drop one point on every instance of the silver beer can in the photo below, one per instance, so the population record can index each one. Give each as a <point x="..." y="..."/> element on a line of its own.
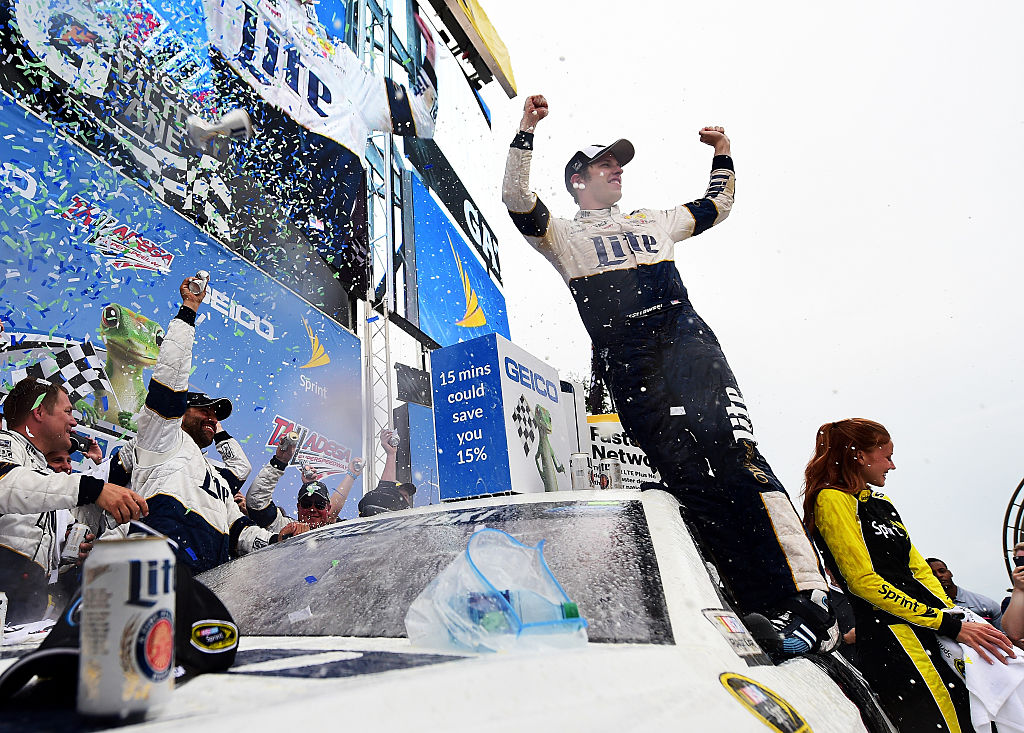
<point x="69" y="555"/>
<point x="127" y="627"/>
<point x="288" y="440"/>
<point x="610" y="473"/>
<point x="580" y="472"/>
<point x="197" y="284"/>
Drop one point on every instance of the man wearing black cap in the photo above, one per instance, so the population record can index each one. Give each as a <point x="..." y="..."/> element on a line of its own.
<point x="674" y="390"/>
<point x="190" y="500"/>
<point x="316" y="505"/>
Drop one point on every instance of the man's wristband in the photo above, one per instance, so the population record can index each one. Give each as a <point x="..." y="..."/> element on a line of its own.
<point x="187" y="315"/>
<point x="279" y="465"/>
<point x="523" y="140"/>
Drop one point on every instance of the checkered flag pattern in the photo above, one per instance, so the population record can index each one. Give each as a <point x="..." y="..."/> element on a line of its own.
<point x="77" y="366"/>
<point x="525" y="426"/>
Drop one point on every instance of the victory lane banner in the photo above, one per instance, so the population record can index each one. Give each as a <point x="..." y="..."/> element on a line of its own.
<point x="90" y="268"/>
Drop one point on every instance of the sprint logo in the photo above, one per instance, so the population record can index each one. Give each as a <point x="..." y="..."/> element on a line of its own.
<point x="474" y="316"/>
<point x="319" y="355"/>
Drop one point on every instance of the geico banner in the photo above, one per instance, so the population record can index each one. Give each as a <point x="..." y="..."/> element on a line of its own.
<point x="122" y="78"/>
<point x="609" y="440"/>
<point x="456" y="297"/>
<point x="90" y="269"/>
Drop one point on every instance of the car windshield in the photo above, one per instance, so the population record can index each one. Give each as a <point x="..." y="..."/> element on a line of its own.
<point x="359" y="578"/>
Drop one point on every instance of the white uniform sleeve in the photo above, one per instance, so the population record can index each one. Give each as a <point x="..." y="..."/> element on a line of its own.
<point x="545" y="233"/>
<point x="700" y="215"/>
<point x="388" y="106"/>
<point x="261" y="491"/>
<point x="26" y="491"/>
<point x="235" y="460"/>
<point x="160" y="432"/>
<point x="252" y="538"/>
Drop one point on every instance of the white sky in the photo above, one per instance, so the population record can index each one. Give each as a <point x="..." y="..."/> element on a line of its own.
<point x="870" y="266"/>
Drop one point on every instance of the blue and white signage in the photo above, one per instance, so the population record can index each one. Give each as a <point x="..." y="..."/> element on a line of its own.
<point x="498" y="418"/>
<point x="88" y="261"/>
<point x="457" y="299"/>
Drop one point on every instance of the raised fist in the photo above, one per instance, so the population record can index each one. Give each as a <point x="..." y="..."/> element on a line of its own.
<point x="535" y="109"/>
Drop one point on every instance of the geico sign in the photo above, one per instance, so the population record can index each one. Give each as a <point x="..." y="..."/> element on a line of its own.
<point x="519" y="373"/>
<point x="225" y="304"/>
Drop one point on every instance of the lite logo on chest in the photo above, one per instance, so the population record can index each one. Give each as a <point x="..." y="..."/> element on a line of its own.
<point x="611" y="250"/>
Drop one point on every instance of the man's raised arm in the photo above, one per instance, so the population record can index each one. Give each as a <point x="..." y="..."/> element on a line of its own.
<point x="520" y="201"/>
<point x="160" y="421"/>
<point x="698" y="216"/>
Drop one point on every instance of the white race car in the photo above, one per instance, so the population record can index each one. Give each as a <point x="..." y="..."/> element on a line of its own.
<point x="323" y="639"/>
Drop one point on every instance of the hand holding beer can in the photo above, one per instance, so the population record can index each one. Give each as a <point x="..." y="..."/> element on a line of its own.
<point x="198" y="283"/>
<point x="289" y="440"/>
<point x="69" y="555"/>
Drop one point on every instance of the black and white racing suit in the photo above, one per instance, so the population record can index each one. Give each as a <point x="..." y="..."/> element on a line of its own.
<point x="673" y="388"/>
<point x="30" y="496"/>
<point x="189" y="499"/>
<point x="259" y="499"/>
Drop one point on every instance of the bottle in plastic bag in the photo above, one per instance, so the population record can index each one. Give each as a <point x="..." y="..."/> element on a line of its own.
<point x="498" y="594"/>
<point x="489" y="611"/>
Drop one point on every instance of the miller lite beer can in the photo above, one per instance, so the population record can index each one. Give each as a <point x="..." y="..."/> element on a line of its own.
<point x="394" y="439"/>
<point x="127" y="627"/>
<point x="69" y="556"/>
<point x="289" y="440"/>
<point x="198" y="283"/>
<point x="357" y="465"/>
<point x="580" y="472"/>
<point x="610" y="474"/>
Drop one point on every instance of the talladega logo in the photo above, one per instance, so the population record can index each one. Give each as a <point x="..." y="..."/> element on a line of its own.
<point x="119" y="243"/>
<point x="323" y="455"/>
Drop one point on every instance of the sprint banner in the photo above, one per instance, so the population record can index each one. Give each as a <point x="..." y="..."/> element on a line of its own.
<point x="90" y="267"/>
<point x="456" y="298"/>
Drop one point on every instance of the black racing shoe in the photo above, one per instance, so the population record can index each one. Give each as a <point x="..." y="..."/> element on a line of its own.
<point x="805" y="623"/>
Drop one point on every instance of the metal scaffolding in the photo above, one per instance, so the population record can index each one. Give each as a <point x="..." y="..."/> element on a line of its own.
<point x="373" y="44"/>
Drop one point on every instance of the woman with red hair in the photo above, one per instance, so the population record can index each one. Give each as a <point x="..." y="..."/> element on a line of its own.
<point x="899" y="606"/>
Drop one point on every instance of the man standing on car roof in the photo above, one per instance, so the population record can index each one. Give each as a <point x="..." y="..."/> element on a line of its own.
<point x="673" y="388"/>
